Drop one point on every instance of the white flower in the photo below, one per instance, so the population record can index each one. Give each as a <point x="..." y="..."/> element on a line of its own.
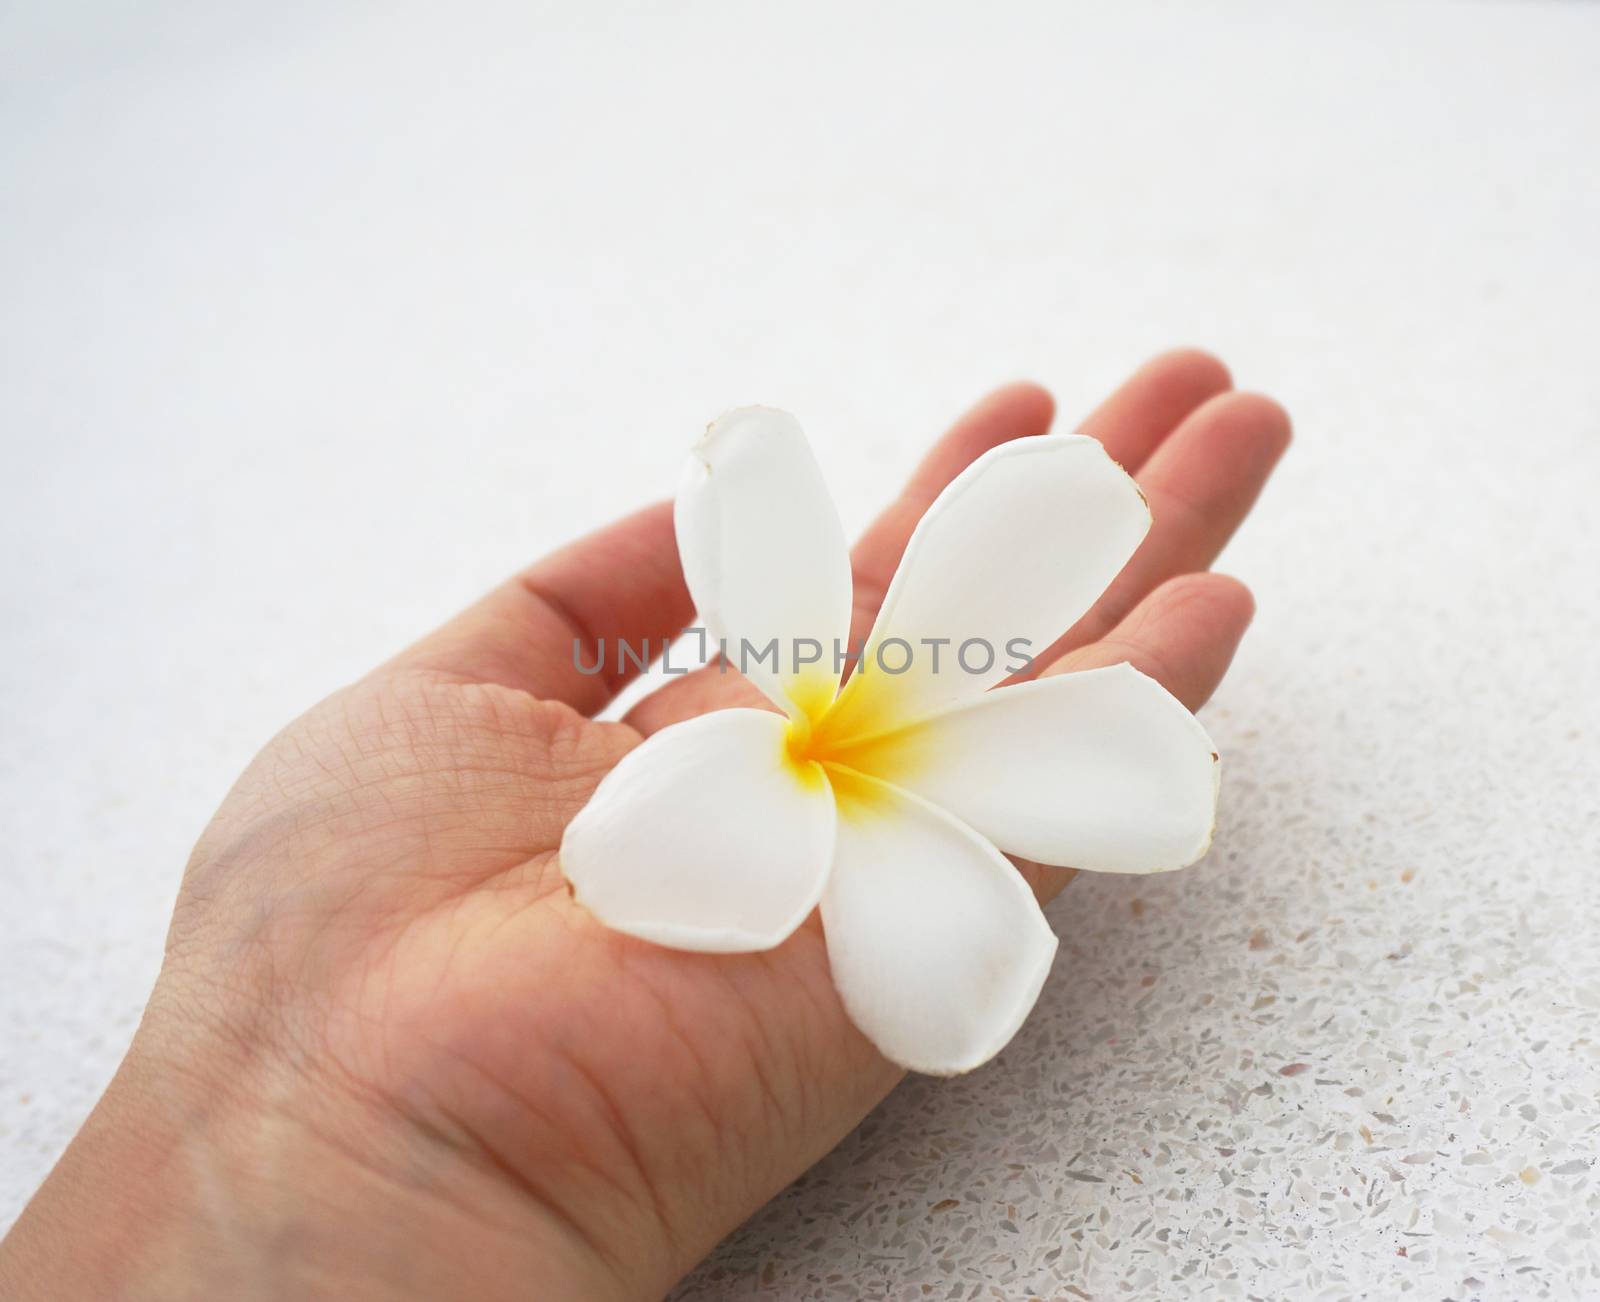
<point x="892" y="802"/>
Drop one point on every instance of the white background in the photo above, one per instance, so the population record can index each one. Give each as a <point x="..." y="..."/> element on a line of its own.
<point x="315" y="320"/>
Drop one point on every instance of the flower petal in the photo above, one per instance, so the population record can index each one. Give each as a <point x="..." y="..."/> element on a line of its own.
<point x="764" y="554"/>
<point x="706" y="836"/>
<point x="937" y="945"/>
<point x="1103" y="770"/>
<point x="1006" y="559"/>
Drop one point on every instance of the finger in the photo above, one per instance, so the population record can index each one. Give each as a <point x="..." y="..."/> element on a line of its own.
<point x="1200" y="484"/>
<point x="1134" y="421"/>
<point x="1129" y="424"/>
<point x="554" y="630"/>
<point x="1183" y="635"/>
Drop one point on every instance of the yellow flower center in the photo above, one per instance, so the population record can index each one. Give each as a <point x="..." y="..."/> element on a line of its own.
<point x="848" y="739"/>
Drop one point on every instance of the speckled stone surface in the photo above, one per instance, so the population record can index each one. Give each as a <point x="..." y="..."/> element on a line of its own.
<point x="317" y="323"/>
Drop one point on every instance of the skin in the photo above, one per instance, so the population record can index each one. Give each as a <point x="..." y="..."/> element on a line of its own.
<point x="389" y="1057"/>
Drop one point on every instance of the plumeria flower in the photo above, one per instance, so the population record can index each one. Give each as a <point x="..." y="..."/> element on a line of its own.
<point x="892" y="801"/>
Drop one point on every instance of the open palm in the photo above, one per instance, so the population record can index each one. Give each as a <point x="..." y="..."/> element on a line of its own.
<point x="375" y="941"/>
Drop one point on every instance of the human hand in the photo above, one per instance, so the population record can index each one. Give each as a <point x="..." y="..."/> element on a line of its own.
<point x="389" y="1056"/>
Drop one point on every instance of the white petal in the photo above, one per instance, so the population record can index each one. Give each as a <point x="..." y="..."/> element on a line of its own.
<point x="764" y="553"/>
<point x="706" y="836"/>
<point x="937" y="945"/>
<point x="1009" y="556"/>
<point x="1103" y="770"/>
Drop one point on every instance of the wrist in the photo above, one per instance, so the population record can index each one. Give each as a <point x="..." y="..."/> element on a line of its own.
<point x="232" y="1173"/>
